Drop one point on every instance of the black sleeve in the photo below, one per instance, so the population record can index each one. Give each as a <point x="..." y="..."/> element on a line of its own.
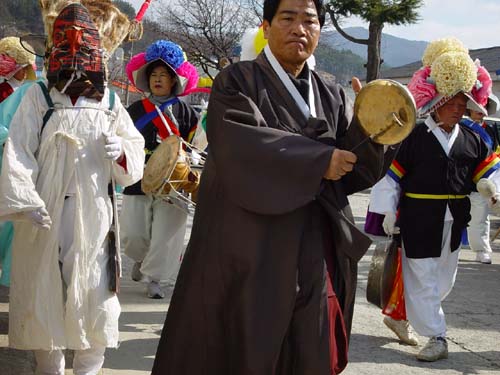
<point x="262" y="169"/>
<point x="187" y="118"/>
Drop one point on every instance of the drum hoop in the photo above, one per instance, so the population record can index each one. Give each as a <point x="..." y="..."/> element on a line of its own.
<point x="152" y="184"/>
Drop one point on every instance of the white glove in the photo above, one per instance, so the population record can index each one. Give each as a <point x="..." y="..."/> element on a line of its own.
<point x="389" y="224"/>
<point x="494" y="204"/>
<point x="39" y="217"/>
<point x="195" y="157"/>
<point x="113" y="146"/>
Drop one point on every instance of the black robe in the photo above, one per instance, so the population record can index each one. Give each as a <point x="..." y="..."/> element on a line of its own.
<point x="251" y="294"/>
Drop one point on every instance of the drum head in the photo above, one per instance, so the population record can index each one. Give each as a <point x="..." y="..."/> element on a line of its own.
<point x="386" y="111"/>
<point x="382" y="273"/>
<point x="160" y="165"/>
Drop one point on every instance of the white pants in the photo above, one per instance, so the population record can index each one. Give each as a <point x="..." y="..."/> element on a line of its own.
<point x="85" y="362"/>
<point x="152" y="231"/>
<point x="479" y="225"/>
<point x="427" y="282"/>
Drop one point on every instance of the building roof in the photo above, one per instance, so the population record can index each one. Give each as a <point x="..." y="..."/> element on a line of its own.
<point x="490" y="59"/>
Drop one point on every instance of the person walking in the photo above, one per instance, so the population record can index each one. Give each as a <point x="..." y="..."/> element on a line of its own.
<point x="68" y="140"/>
<point x="268" y="280"/>
<point x="152" y="229"/>
<point x="429" y="181"/>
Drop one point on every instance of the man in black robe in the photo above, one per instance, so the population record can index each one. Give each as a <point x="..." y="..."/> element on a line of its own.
<point x="268" y="280"/>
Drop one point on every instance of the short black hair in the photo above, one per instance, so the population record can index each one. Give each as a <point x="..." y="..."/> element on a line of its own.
<point x="271" y="7"/>
<point x="154" y="64"/>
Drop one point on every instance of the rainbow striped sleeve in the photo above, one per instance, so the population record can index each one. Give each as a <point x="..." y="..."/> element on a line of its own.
<point x="191" y="134"/>
<point x="396" y="171"/>
<point x="486" y="167"/>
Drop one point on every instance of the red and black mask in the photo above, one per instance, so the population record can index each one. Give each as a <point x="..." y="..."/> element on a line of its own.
<point x="76" y="48"/>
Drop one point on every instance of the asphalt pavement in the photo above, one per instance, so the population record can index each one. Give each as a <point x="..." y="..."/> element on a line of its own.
<point x="472" y="312"/>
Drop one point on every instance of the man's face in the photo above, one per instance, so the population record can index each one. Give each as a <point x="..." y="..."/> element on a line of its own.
<point x="293" y="34"/>
<point x="453" y="110"/>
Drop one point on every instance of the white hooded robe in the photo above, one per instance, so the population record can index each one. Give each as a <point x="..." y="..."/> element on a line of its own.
<point x="36" y="172"/>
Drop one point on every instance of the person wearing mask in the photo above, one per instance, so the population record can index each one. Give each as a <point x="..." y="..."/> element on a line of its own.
<point x="68" y="140"/>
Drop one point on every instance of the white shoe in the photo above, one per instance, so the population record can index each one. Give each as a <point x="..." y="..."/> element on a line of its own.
<point x="136" y="273"/>
<point x="154" y="290"/>
<point x="483" y="257"/>
<point x="402" y="329"/>
<point x="436" y="348"/>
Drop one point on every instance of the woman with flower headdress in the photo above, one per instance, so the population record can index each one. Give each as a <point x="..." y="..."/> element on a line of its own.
<point x="434" y="171"/>
<point x="152" y="230"/>
<point x="16" y="65"/>
<point x="478" y="231"/>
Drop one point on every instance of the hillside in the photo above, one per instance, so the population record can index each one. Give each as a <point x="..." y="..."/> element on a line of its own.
<point x="395" y="51"/>
<point x="343" y="64"/>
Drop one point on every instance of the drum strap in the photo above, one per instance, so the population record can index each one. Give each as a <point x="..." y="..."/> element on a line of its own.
<point x="152" y="116"/>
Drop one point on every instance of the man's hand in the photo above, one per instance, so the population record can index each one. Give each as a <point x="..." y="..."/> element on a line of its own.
<point x="494" y="203"/>
<point x="342" y="162"/>
<point x="39" y="217"/>
<point x="389" y="224"/>
<point x="113" y="147"/>
<point x="356" y="85"/>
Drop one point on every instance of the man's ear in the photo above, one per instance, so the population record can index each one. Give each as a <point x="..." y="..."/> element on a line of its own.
<point x="265" y="28"/>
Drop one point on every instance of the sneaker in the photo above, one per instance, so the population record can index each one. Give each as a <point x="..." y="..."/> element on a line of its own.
<point x="483" y="257"/>
<point x="154" y="290"/>
<point x="402" y="329"/>
<point x="436" y="348"/>
<point x="136" y="273"/>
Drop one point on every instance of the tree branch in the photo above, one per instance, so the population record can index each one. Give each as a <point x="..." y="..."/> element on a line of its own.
<point x="343" y="33"/>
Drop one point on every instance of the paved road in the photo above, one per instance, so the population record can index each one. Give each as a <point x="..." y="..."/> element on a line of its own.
<point x="472" y="310"/>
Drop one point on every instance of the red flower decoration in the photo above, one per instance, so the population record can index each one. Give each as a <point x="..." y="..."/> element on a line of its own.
<point x="423" y="91"/>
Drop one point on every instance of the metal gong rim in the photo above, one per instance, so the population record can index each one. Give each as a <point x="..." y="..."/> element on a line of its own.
<point x="386" y="111"/>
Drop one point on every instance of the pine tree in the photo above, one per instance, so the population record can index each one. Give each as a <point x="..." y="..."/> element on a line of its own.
<point x="377" y="13"/>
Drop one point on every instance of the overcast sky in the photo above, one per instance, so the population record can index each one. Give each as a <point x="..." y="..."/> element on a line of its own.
<point x="475" y="22"/>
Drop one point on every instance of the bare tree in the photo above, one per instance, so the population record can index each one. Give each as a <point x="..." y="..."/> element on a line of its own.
<point x="207" y="30"/>
<point x="257" y="8"/>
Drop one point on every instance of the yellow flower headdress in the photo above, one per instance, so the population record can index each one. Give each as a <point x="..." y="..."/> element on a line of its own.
<point x="447" y="70"/>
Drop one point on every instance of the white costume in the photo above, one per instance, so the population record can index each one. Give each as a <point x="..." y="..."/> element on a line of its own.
<point x="152" y="233"/>
<point x="40" y="171"/>
<point x="478" y="230"/>
<point x="428" y="280"/>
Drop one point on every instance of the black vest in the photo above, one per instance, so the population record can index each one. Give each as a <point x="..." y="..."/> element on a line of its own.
<point x="428" y="170"/>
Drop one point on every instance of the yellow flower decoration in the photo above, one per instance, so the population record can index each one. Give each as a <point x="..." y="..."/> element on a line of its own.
<point x="205" y="82"/>
<point x="453" y="72"/>
<point x="11" y="46"/>
<point x="259" y="42"/>
<point x="440" y="46"/>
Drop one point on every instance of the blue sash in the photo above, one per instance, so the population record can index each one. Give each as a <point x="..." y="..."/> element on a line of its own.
<point x="150" y="116"/>
<point x="477" y="128"/>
